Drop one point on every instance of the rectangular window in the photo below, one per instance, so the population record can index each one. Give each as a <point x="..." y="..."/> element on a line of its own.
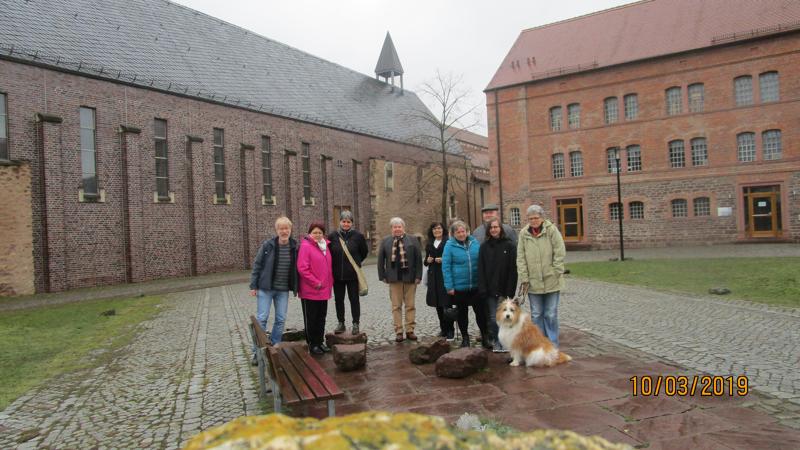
<point x="771" y="144"/>
<point x="219" y="164"/>
<point x="576" y="164"/>
<point x="636" y="210"/>
<point x="555" y="118"/>
<point x="676" y="154"/>
<point x="769" y="87"/>
<point x="88" y="152"/>
<point x="614" y="211"/>
<point x="634" y="158"/>
<point x="574" y="115"/>
<point x="679" y="208"/>
<point x="697" y="94"/>
<point x="699" y="152"/>
<point x="611" y="110"/>
<point x="631" y="106"/>
<point x="266" y="169"/>
<point x="746" y="147"/>
<point x="611" y="159"/>
<point x="388" y="176"/>
<point x="673" y="101"/>
<point x="558" y="165"/>
<point x="162" y="161"/>
<point x="702" y="206"/>
<point x="306" y="156"/>
<point x="743" y="90"/>
<point x="4" y="153"/>
<point x="515" y="217"/>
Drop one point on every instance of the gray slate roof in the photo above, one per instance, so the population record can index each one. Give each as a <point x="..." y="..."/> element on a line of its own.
<point x="171" y="47"/>
<point x="388" y="62"/>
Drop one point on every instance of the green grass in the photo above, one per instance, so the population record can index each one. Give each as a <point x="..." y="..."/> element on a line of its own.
<point x="40" y="343"/>
<point x="774" y="281"/>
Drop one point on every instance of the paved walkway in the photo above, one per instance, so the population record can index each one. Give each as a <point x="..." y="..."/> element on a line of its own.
<point x="188" y="370"/>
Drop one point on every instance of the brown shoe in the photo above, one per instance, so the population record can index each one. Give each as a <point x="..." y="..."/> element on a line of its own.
<point x="411" y="336"/>
<point x="399" y="337"/>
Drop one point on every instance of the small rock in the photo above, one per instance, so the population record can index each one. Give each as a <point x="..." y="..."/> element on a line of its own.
<point x="719" y="291"/>
<point x="461" y="363"/>
<point x="110" y="312"/>
<point x="349" y="357"/>
<point x="429" y="350"/>
<point x="346" y="338"/>
<point x="293" y="335"/>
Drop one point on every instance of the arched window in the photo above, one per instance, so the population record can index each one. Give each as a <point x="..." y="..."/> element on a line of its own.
<point x="611" y="110"/>
<point x="558" y="165"/>
<point x="673" y="100"/>
<point x="679" y="208"/>
<point x="743" y="90"/>
<point x="702" y="206"/>
<point x="746" y="146"/>
<point x="636" y="210"/>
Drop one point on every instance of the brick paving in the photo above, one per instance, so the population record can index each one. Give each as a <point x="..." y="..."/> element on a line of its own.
<point x="188" y="370"/>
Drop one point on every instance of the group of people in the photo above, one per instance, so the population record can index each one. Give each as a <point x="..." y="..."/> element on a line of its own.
<point x="462" y="271"/>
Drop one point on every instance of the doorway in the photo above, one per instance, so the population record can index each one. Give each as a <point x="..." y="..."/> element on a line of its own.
<point x="570" y="219"/>
<point x="762" y="211"/>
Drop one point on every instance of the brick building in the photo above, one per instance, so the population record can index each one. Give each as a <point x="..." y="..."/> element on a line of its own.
<point x="699" y="100"/>
<point x="164" y="142"/>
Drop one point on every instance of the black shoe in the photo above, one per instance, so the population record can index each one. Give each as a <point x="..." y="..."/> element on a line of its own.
<point x="451" y="335"/>
<point x="339" y="328"/>
<point x="325" y="348"/>
<point x="465" y="342"/>
<point x="355" y="328"/>
<point x="317" y="350"/>
<point x="488" y="344"/>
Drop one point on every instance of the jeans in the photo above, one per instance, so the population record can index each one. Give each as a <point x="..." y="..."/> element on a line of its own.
<point x="265" y="300"/>
<point x="544" y="313"/>
<point x="491" y="318"/>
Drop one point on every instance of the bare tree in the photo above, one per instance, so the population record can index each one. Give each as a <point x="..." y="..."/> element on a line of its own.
<point x="448" y="116"/>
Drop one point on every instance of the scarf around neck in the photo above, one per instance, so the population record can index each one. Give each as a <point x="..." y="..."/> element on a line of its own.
<point x="399" y="252"/>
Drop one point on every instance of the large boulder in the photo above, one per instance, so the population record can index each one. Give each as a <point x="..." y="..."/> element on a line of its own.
<point x="347" y="338"/>
<point x="378" y="430"/>
<point x="349" y="357"/>
<point x="429" y="350"/>
<point x="461" y="363"/>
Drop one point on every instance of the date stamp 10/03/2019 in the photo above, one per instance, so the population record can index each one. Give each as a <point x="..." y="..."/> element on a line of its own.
<point x="689" y="386"/>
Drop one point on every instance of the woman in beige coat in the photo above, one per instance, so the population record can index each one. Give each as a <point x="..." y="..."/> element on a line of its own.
<point x="540" y="266"/>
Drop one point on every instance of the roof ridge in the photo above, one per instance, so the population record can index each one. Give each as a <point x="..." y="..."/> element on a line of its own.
<point x="225" y="22"/>
<point x="583" y="16"/>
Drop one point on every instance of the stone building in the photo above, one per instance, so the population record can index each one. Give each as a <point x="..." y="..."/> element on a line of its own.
<point x="159" y="141"/>
<point x="699" y="100"/>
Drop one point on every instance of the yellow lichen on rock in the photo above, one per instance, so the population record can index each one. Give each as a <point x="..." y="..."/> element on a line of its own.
<point x="376" y="430"/>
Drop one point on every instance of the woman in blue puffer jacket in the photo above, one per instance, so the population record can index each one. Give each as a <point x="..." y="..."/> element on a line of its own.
<point x="460" y="273"/>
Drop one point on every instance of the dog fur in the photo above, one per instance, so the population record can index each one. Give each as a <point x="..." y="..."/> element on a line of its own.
<point x="524" y="340"/>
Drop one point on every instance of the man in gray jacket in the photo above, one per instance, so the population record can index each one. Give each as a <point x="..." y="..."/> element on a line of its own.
<point x="400" y="266"/>
<point x="489" y="211"/>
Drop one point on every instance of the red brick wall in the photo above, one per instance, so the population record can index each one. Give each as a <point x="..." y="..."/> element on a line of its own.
<point x="16" y="246"/>
<point x="527" y="143"/>
<point x="86" y="240"/>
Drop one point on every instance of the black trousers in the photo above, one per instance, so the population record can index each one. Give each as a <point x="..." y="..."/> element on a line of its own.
<point x="463" y="300"/>
<point x="444" y="325"/>
<point x="314" y="314"/>
<point x="352" y="294"/>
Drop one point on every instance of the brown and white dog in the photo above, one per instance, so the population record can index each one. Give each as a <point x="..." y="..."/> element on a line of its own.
<point x="524" y="340"/>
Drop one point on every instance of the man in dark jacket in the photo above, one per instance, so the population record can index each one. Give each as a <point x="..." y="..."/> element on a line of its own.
<point x="274" y="275"/>
<point x="344" y="274"/>
<point x="400" y="265"/>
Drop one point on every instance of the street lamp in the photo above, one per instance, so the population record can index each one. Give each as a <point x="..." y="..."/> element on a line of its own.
<point x="620" y="209"/>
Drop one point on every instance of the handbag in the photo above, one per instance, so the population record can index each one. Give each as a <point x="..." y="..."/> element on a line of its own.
<point x="363" y="288"/>
<point x="425" y="275"/>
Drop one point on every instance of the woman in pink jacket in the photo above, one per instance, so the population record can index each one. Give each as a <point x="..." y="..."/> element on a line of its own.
<point x="315" y="284"/>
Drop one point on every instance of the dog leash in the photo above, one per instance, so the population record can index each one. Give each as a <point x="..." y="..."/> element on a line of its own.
<point x="522" y="294"/>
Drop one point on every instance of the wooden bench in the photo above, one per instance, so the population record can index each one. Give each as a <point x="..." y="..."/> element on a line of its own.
<point x="295" y="377"/>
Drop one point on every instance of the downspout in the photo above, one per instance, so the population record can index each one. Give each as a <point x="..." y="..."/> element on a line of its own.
<point x="499" y="162"/>
<point x="41" y="119"/>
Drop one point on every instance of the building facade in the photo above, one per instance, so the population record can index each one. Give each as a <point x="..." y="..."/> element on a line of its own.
<point x="156" y="152"/>
<point x="702" y="116"/>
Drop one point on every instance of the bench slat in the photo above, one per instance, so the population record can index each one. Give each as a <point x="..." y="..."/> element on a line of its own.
<point x="303" y="392"/>
<point x="261" y="336"/>
<point x="308" y="372"/>
<point x="319" y="373"/>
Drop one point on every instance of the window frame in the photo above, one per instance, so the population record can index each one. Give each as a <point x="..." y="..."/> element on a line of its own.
<point x="761" y="87"/>
<point x="267" y="189"/>
<point x="677" y="154"/>
<point x="5" y="150"/>
<point x="696" y="97"/>
<point x="679" y="207"/>
<point x="556" y="118"/>
<point x="772" y="151"/>
<point x="388" y="176"/>
<point x="637" y="158"/>
<point x="218" y="146"/>
<point x="673" y="98"/>
<point x="614" y="210"/>
<point x="637" y="214"/>
<point x="574" y="112"/>
<point x="561" y="166"/>
<point x="573" y="172"/>
<point x="612" y="153"/>
<point x="631" y="113"/>
<point x="516" y="217"/>
<point x="696" y="206"/>
<point x="305" y="156"/>
<point x="164" y="140"/>
<point x="695" y="146"/>
<point x="611" y="110"/>
<point x="87" y="193"/>
<point x="740" y="90"/>
<point x="747" y="149"/>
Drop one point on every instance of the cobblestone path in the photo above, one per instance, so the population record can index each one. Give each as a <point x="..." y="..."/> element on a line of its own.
<point x="721" y="337"/>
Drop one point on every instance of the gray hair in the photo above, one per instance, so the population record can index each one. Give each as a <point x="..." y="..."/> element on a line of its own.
<point x="397" y="221"/>
<point x="346" y="215"/>
<point x="535" y="210"/>
<point x="456" y="225"/>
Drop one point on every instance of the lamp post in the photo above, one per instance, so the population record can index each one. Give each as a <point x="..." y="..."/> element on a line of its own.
<point x="620" y="210"/>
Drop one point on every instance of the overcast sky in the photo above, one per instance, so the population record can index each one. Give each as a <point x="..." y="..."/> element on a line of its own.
<point x="466" y="37"/>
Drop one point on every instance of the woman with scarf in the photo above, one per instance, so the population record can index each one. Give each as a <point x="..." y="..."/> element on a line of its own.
<point x="344" y="274"/>
<point x="316" y="281"/>
<point x="460" y="273"/>
<point x="497" y="274"/>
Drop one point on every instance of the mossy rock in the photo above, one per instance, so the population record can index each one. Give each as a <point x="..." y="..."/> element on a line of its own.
<point x="375" y="430"/>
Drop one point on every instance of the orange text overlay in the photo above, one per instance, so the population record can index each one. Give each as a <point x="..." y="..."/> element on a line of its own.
<point x="699" y="385"/>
